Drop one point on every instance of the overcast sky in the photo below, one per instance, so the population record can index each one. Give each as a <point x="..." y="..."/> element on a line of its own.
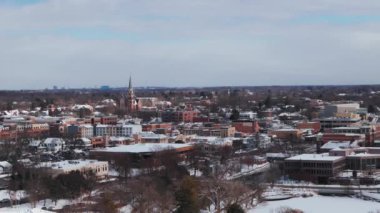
<point x="88" y="43"/>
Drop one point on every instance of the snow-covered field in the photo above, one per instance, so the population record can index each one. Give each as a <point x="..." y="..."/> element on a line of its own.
<point x="28" y="208"/>
<point x="319" y="204"/>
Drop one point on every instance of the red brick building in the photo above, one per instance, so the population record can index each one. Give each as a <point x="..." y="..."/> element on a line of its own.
<point x="186" y="116"/>
<point x="156" y="126"/>
<point x="342" y="137"/>
<point x="249" y="127"/>
<point x="315" y="126"/>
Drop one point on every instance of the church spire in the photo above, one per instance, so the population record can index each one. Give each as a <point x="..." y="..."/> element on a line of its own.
<point x="131" y="102"/>
<point x="130" y="82"/>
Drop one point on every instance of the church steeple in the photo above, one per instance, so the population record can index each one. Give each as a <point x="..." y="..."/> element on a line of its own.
<point x="130" y="89"/>
<point x="130" y="83"/>
<point x="131" y="102"/>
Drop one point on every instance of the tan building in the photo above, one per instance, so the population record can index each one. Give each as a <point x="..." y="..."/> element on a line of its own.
<point x="221" y="132"/>
<point x="293" y="135"/>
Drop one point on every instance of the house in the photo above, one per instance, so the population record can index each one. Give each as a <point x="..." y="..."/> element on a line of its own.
<point x="35" y="145"/>
<point x="5" y="167"/>
<point x="53" y="144"/>
<point x="293" y="135"/>
<point x="82" y="143"/>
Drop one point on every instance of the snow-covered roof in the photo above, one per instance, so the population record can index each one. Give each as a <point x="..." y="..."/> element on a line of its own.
<point x="5" y="164"/>
<point x="54" y="140"/>
<point x="85" y="106"/>
<point x="340" y="144"/>
<point x="86" y="126"/>
<point x="143" y="148"/>
<point x="35" y="143"/>
<point x="113" y="138"/>
<point x="363" y="155"/>
<point x="315" y="157"/>
<point x="276" y="155"/>
<point x="86" y="140"/>
<point x="152" y="135"/>
<point x="69" y="165"/>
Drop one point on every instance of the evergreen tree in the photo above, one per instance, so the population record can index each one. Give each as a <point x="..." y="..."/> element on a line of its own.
<point x="187" y="196"/>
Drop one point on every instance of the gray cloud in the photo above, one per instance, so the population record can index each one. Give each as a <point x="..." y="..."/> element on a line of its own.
<point x="85" y="43"/>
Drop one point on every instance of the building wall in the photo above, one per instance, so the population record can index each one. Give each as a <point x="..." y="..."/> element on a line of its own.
<point x="316" y="171"/>
<point x="249" y="127"/>
<point x="316" y="126"/>
<point x="99" y="168"/>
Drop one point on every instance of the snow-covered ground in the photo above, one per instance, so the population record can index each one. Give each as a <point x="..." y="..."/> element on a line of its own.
<point x="12" y="195"/>
<point x="28" y="208"/>
<point x="48" y="204"/>
<point x="197" y="172"/>
<point x="318" y="204"/>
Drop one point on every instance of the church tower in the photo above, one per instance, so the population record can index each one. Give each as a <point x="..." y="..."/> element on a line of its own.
<point x="131" y="100"/>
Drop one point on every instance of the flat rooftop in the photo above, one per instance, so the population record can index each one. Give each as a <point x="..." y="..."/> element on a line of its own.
<point x="69" y="165"/>
<point x="143" y="148"/>
<point x="315" y="157"/>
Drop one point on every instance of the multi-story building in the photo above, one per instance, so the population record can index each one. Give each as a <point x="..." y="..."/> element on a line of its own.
<point x="293" y="135"/>
<point x="155" y="126"/>
<point x="108" y="120"/>
<point x="81" y="131"/>
<point x="314" y="126"/>
<point x="86" y="131"/>
<point x="363" y="161"/>
<point x="217" y="131"/>
<point x="342" y="137"/>
<point x="333" y="109"/>
<point x="314" y="167"/>
<point x="249" y="127"/>
<point x="333" y="122"/>
<point x="120" y="130"/>
<point x="150" y="137"/>
<point x="137" y="152"/>
<point x="177" y="116"/>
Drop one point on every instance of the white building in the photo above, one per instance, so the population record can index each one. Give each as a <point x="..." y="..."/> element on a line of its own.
<point x="247" y="115"/>
<point x="120" y="130"/>
<point x="53" y="144"/>
<point x="86" y="131"/>
<point x="5" y="167"/>
<point x="128" y="130"/>
<point x="151" y="137"/>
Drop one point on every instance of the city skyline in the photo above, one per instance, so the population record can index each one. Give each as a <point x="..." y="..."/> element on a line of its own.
<point x="82" y="43"/>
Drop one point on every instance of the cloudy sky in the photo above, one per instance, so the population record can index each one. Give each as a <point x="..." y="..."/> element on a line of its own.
<point x="88" y="43"/>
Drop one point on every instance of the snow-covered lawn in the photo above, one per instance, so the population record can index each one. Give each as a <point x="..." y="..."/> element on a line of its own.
<point x="318" y="204"/>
